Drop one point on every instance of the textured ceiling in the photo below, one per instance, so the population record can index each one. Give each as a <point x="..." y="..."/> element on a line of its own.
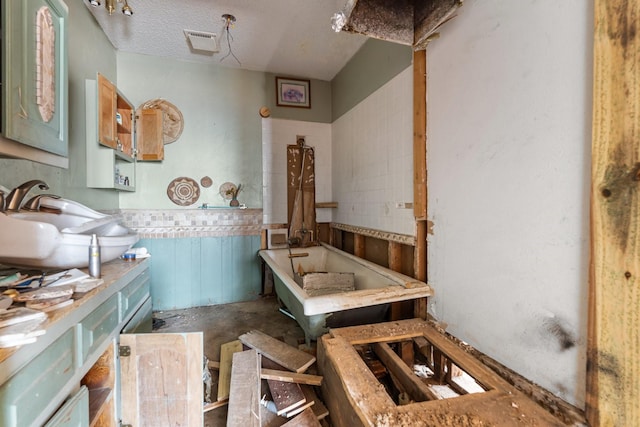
<point x="287" y="37"/>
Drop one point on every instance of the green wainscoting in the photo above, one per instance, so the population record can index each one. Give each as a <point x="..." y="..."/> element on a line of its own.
<point x="200" y="271"/>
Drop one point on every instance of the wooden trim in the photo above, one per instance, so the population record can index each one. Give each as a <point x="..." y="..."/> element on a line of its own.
<point x="613" y="365"/>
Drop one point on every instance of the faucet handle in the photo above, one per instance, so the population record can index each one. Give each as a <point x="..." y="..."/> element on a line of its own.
<point x="33" y="204"/>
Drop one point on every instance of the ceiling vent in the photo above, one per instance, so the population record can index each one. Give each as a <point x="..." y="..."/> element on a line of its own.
<point x="200" y="40"/>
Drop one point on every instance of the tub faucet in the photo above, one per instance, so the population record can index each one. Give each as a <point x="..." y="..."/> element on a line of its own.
<point x="17" y="195"/>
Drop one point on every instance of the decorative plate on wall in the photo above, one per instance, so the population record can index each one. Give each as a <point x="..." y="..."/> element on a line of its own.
<point x="172" y="120"/>
<point x="183" y="191"/>
<point x="227" y="190"/>
<point x="206" y="181"/>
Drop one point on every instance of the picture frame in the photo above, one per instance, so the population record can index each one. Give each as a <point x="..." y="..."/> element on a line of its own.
<point x="293" y="92"/>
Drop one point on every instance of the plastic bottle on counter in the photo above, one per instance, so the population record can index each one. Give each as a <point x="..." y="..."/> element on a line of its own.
<point x="94" y="257"/>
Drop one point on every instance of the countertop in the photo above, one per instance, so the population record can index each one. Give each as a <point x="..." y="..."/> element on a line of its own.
<point x="112" y="272"/>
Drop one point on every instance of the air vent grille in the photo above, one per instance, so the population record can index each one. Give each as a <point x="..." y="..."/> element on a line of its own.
<point x="203" y="41"/>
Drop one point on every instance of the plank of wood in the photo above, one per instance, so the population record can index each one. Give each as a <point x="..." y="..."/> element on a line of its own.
<point x="244" y="397"/>
<point x="224" y="377"/>
<point x="214" y="405"/>
<point x="213" y="365"/>
<point x="291" y="377"/>
<point x="613" y="365"/>
<point x="318" y="407"/>
<point x="281" y="353"/>
<point x="417" y="390"/>
<point x="286" y="396"/>
<point x="299" y="409"/>
<point x="305" y="419"/>
<point x="46" y="293"/>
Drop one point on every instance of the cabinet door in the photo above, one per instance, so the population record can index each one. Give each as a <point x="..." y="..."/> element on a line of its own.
<point x="35" y="80"/>
<point x="161" y="379"/>
<point x="107" y="125"/>
<point x="149" y="136"/>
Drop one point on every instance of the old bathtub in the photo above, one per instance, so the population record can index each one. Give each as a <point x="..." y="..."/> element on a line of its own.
<point x="375" y="287"/>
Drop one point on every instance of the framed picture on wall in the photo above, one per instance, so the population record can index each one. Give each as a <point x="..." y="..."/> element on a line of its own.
<point x="293" y="93"/>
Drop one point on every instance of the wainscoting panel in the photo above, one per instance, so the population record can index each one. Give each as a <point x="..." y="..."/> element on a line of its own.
<point x="201" y="271"/>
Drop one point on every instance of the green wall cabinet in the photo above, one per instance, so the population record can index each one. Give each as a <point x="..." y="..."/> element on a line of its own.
<point x="34" y="74"/>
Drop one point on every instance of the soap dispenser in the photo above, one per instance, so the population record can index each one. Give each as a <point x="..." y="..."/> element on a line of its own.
<point x="94" y="257"/>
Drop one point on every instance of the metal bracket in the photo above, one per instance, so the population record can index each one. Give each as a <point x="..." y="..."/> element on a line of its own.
<point x="124" y="351"/>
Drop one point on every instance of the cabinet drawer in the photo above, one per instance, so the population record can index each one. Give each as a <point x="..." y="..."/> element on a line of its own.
<point x="97" y="326"/>
<point x="74" y="412"/>
<point x="134" y="293"/>
<point x="24" y="396"/>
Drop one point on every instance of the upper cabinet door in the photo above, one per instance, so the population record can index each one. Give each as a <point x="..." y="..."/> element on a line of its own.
<point x="35" y="83"/>
<point x="107" y="125"/>
<point x="149" y="137"/>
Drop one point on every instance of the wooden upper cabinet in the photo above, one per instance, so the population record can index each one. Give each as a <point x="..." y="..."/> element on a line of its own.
<point x="107" y="126"/>
<point x="149" y="136"/>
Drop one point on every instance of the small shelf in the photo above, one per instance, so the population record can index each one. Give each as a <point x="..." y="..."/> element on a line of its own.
<point x="121" y="155"/>
<point x="323" y="205"/>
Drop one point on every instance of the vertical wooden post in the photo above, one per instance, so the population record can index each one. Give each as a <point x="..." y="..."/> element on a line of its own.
<point x="359" y="246"/>
<point x="613" y="366"/>
<point x="395" y="264"/>
<point x="420" y="173"/>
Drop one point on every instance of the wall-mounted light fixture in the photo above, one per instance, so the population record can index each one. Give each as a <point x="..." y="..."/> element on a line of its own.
<point x="110" y="5"/>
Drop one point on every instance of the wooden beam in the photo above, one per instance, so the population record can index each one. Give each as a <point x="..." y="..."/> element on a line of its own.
<point x="286" y="396"/>
<point x="359" y="246"/>
<point x="291" y="377"/>
<point x="281" y="353"/>
<point x="613" y="366"/>
<point x="244" y="398"/>
<point x="417" y="390"/>
<point x="420" y="134"/>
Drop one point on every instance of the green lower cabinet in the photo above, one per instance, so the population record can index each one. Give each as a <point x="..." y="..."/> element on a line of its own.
<point x="38" y="383"/>
<point x="74" y="412"/>
<point x="97" y="326"/>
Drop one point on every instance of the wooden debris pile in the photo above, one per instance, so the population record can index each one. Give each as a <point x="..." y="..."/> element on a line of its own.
<point x="265" y="384"/>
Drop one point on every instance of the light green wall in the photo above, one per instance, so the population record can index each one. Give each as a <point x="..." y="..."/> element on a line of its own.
<point x="320" y="97"/>
<point x="89" y="51"/>
<point x="222" y="136"/>
<point x="376" y="63"/>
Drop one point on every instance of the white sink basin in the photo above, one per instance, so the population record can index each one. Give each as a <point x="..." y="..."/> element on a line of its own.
<point x="61" y="240"/>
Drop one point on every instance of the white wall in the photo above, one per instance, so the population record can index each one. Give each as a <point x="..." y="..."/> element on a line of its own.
<point x="276" y="135"/>
<point x="509" y="133"/>
<point x="372" y="159"/>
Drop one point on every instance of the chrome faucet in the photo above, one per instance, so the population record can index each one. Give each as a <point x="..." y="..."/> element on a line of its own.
<point x="17" y="195"/>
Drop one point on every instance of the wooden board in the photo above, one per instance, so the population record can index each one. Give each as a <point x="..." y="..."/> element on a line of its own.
<point x="613" y="365"/>
<point x="244" y="396"/>
<point x="305" y="419"/>
<point x="224" y="377"/>
<point x="162" y="379"/>
<point x="290" y="377"/>
<point x="281" y="353"/>
<point x="318" y="407"/>
<point x="324" y="283"/>
<point x="417" y="390"/>
<point x="286" y="396"/>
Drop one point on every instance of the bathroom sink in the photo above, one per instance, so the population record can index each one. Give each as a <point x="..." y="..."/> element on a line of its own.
<point x="58" y="235"/>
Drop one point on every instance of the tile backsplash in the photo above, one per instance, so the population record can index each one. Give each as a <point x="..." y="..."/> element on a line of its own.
<point x="163" y="223"/>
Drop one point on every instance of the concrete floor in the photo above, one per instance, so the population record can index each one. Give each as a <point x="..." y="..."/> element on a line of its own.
<point x="224" y="323"/>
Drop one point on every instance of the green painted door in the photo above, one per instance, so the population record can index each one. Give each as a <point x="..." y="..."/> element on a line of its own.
<point x="35" y="94"/>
